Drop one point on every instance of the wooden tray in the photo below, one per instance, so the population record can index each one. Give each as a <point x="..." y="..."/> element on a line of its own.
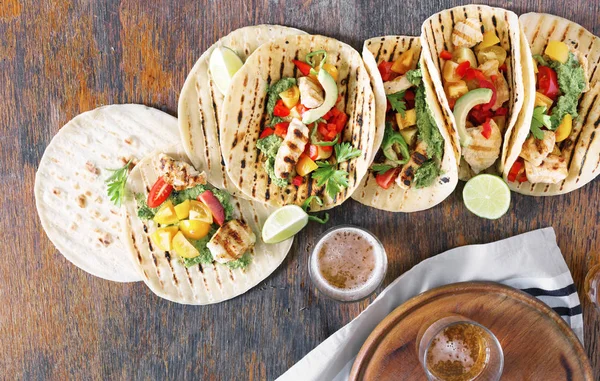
<point x="537" y="343"/>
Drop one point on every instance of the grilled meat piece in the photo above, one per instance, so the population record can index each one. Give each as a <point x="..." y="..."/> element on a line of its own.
<point x="417" y="158"/>
<point x="397" y="84"/>
<point x="292" y="147"/>
<point x="552" y="170"/>
<point x="535" y="150"/>
<point x="177" y="173"/>
<point x="231" y="241"/>
<point x="482" y="153"/>
<point x="467" y="33"/>
<point x="311" y="94"/>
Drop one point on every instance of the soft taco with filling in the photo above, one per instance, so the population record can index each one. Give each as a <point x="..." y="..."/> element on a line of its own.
<point x="473" y="54"/>
<point x="415" y="166"/>
<point x="299" y="121"/>
<point x="190" y="242"/>
<point x="555" y="151"/>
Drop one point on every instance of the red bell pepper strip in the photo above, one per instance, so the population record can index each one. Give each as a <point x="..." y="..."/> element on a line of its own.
<point x="486" y="129"/>
<point x="479" y="116"/>
<point x="445" y="55"/>
<point x="385" y="69"/>
<point x="471" y="74"/>
<point x="547" y="82"/>
<point x="515" y="169"/>
<point x="280" y="109"/>
<point x="302" y="66"/>
<point x="298" y="180"/>
<point x="501" y="111"/>
<point x="266" y="132"/>
<point x="462" y="68"/>
<point x="326" y="148"/>
<point x="340" y="122"/>
<point x="214" y="205"/>
<point x="385" y="180"/>
<point x="281" y="129"/>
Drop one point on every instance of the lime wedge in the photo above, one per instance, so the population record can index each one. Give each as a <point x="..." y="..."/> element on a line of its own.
<point x="284" y="223"/>
<point x="223" y="64"/>
<point x="487" y="196"/>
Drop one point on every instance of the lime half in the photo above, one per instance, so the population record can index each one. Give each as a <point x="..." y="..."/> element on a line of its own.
<point x="284" y="223"/>
<point x="223" y="64"/>
<point x="487" y="196"/>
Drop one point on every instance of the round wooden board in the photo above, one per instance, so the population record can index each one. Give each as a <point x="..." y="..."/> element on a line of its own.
<point x="537" y="343"/>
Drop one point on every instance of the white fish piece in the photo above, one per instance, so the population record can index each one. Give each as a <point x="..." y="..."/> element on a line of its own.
<point x="311" y="94"/>
<point x="417" y="158"/>
<point x="467" y="33"/>
<point x="535" y="150"/>
<point x="482" y="153"/>
<point x="292" y="147"/>
<point x="397" y="84"/>
<point x="231" y="241"/>
<point x="552" y="170"/>
<point x="177" y="173"/>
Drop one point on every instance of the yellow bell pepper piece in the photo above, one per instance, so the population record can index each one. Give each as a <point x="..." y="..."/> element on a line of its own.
<point x="404" y="62"/>
<point x="409" y="119"/>
<point x="489" y="39"/>
<point x="183" y="210"/>
<point x="564" y="128"/>
<point x="194" y="229"/>
<point x="305" y="165"/>
<point x="182" y="247"/>
<point x="542" y="100"/>
<point x="331" y="69"/>
<point x="558" y="51"/>
<point x="290" y="97"/>
<point x="162" y="237"/>
<point x="166" y="214"/>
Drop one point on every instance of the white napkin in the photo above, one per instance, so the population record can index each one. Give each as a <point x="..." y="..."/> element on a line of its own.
<point x="531" y="262"/>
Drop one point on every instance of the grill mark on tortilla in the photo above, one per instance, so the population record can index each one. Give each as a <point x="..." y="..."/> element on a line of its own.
<point x="378" y="53"/>
<point x="583" y="124"/>
<point x="175" y="280"/>
<point x="137" y="251"/>
<point x="564" y="36"/>
<point x="592" y="135"/>
<point x="217" y="277"/>
<point x="191" y="282"/>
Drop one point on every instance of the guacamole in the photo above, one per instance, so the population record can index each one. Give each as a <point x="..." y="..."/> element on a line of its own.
<point x="269" y="147"/>
<point x="426" y="174"/>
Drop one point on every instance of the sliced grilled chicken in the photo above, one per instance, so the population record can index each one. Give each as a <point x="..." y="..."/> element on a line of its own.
<point x="397" y="84"/>
<point x="291" y="149"/>
<point x="467" y="33"/>
<point x="552" y="170"/>
<point x="482" y="153"/>
<point x="502" y="92"/>
<point x="231" y="241"/>
<point x="177" y="173"/>
<point x="417" y="158"/>
<point x="535" y="150"/>
<point x="311" y="94"/>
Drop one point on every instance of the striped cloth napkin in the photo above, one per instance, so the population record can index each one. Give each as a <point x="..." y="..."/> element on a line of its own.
<point x="531" y="262"/>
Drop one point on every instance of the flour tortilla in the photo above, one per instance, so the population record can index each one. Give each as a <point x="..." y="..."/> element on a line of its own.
<point x="436" y="36"/>
<point x="163" y="272"/>
<point x="582" y="148"/>
<point x="244" y="110"/>
<point x="396" y="199"/>
<point x="70" y="189"/>
<point x="200" y="101"/>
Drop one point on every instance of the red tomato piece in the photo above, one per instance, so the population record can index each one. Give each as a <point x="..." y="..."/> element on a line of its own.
<point x="159" y="192"/>
<point x="501" y="111"/>
<point x="322" y="129"/>
<point x="281" y="129"/>
<point x="266" y="132"/>
<point x="451" y="103"/>
<point x="298" y="180"/>
<point x="488" y="85"/>
<point x="327" y="148"/>
<point x="462" y="68"/>
<point x="385" y="69"/>
<point x="328" y="115"/>
<point x="471" y="74"/>
<point x="302" y="66"/>
<point x="340" y="122"/>
<point x="486" y="130"/>
<point x="515" y="169"/>
<point x="301" y="108"/>
<point x="479" y="116"/>
<point x="503" y="68"/>
<point x="280" y="109"/>
<point x="548" y="82"/>
<point x="445" y="55"/>
<point x="409" y="98"/>
<point x="385" y="180"/>
<point x="214" y="205"/>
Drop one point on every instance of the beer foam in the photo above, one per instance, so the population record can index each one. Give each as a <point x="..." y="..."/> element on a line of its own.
<point x="444" y="349"/>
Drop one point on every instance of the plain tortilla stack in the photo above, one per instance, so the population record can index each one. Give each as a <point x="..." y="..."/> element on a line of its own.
<point x="70" y="188"/>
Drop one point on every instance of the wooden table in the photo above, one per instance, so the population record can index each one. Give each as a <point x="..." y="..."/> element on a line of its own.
<point x="59" y="58"/>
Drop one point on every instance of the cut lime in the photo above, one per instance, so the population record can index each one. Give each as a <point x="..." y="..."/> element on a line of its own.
<point x="284" y="223"/>
<point x="487" y="196"/>
<point x="223" y="64"/>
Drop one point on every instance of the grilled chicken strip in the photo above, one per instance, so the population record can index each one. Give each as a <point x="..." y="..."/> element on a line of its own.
<point x="311" y="94"/>
<point x="231" y="241"/>
<point x="291" y="149"/>
<point x="397" y="84"/>
<point x="552" y="170"/>
<point x="502" y="92"/>
<point x="535" y="150"/>
<point x="177" y="173"/>
<point x="482" y="153"/>
<point x="417" y="158"/>
<point x="467" y="33"/>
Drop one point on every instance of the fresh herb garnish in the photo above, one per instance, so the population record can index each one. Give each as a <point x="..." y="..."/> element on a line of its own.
<point x="539" y="120"/>
<point x="380" y="169"/>
<point x="345" y="152"/>
<point x="315" y="53"/>
<point x="116" y="183"/>
<point x="397" y="102"/>
<point x="306" y="207"/>
<point x="415" y="76"/>
<point x="334" y="179"/>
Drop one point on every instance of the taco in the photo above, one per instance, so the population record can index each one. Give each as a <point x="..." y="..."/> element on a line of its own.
<point x="415" y="167"/>
<point x="299" y="121"/>
<point x="555" y="151"/>
<point x="200" y="101"/>
<point x="190" y="242"/>
<point x="473" y="54"/>
<point x="71" y="197"/>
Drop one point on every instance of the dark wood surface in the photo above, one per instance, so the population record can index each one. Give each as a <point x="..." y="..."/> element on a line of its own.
<point x="60" y="58"/>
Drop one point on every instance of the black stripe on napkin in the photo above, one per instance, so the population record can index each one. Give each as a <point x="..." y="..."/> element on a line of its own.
<point x="566" y="311"/>
<point x="565" y="291"/>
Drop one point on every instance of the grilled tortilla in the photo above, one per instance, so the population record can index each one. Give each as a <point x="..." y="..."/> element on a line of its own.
<point x="395" y="198"/>
<point x="244" y="112"/>
<point x="165" y="273"/>
<point x="581" y="149"/>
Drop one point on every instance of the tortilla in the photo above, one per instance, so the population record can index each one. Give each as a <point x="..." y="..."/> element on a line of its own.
<point x="200" y="102"/>
<point x="436" y="36"/>
<point x="244" y="110"/>
<point x="201" y="284"/>
<point x="582" y="148"/>
<point x="70" y="190"/>
<point x="396" y="199"/>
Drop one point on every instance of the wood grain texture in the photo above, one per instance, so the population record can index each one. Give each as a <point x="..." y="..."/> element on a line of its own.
<point x="59" y="58"/>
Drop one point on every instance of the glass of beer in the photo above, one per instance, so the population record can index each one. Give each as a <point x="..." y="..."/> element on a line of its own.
<point x="592" y="285"/>
<point x="456" y="348"/>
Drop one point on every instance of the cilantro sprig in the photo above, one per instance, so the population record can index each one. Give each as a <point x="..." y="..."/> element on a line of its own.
<point x="306" y="208"/>
<point x="540" y="119"/>
<point x="345" y="152"/>
<point x="335" y="180"/>
<point x="380" y="169"/>
<point x="116" y="183"/>
<point x="397" y="102"/>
